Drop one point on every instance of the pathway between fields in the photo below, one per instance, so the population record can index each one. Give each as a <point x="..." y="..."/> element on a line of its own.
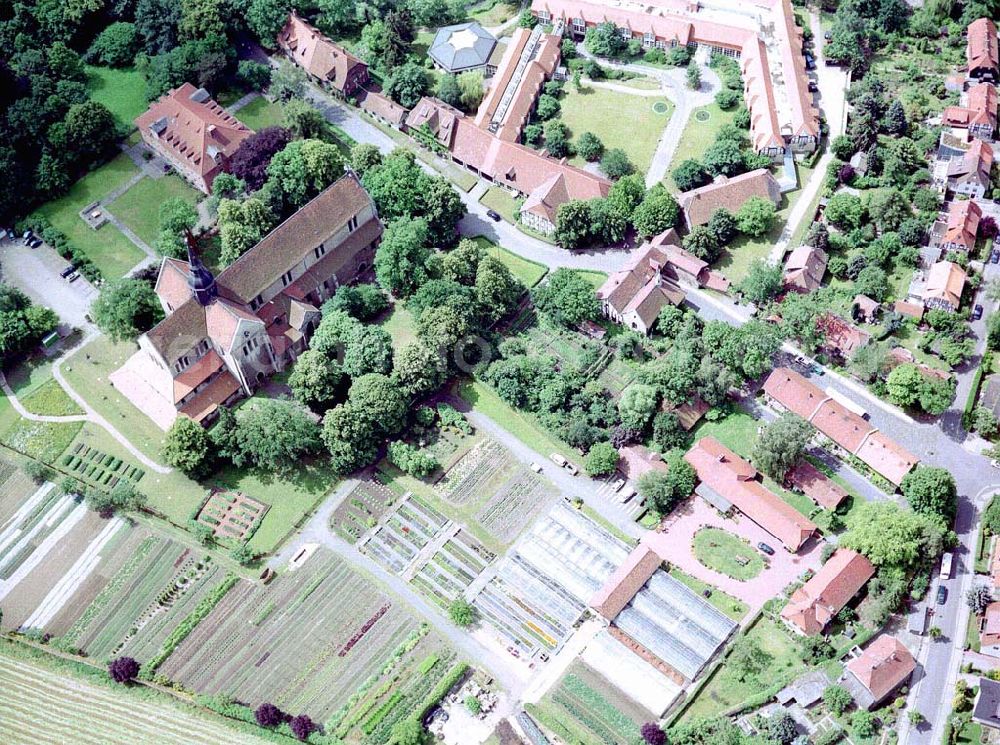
<point x="317" y="531"/>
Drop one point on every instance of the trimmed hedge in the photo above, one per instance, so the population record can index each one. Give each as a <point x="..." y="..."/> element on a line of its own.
<point x="40" y="225"/>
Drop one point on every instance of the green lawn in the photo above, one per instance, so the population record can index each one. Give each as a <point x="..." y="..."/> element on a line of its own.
<point x="485" y="400"/>
<point x="735" y="608"/>
<point x="697" y="136"/>
<point x="123" y="91"/>
<point x="724" y="692"/>
<point x="108" y="248"/>
<point x="493" y="13"/>
<point x="260" y="113"/>
<point x="290" y="498"/>
<point x="49" y="399"/>
<point x="594" y="277"/>
<point x="727" y="553"/>
<point x="139" y="207"/>
<point x="503" y="202"/>
<point x="401" y="325"/>
<point x="529" y="272"/>
<point x="602" y="112"/>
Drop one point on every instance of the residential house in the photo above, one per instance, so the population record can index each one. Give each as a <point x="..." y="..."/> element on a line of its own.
<point x="531" y="60"/>
<point x="864" y="309"/>
<point x="383" y="108"/>
<point x="688" y="413"/>
<point x="841" y="338"/>
<point x="804" y="269"/>
<point x="883" y="667"/>
<point x="683" y="267"/>
<point x="981" y="57"/>
<point x="977" y="113"/>
<point x="727" y="474"/>
<point x="825" y="594"/>
<point x="636" y="460"/>
<point x="911" y="310"/>
<point x="193" y="133"/>
<point x="961" y="226"/>
<point x="699" y="204"/>
<point x="635" y="295"/>
<point x="222" y="336"/>
<point x="325" y="61"/>
<point x="806" y="478"/>
<point x="964" y="171"/>
<point x="544" y="183"/>
<point x="787" y="390"/>
<point x="767" y="44"/>
<point x="989" y="631"/>
<point x="987" y="708"/>
<point x="944" y="286"/>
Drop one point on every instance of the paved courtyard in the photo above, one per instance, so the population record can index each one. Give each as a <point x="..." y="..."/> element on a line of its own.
<point x="36" y="271"/>
<point x="674" y="545"/>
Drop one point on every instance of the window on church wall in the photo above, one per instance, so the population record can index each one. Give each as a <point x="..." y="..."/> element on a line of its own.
<point x="286" y="278"/>
<point x="257" y="302"/>
<point x="352" y="224"/>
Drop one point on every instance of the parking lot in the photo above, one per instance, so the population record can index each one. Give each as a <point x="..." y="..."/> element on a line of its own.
<point x="674" y="545"/>
<point x="36" y="272"/>
<point x="633" y="507"/>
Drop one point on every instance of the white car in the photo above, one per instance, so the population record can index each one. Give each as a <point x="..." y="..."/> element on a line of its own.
<point x="625" y="495"/>
<point x="617" y="485"/>
<point x="536" y="467"/>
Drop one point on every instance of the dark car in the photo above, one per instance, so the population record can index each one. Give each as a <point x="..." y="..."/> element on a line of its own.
<point x="828" y="35"/>
<point x="810" y="62"/>
<point x="36" y="243"/>
<point x="67" y="271"/>
<point x="813" y="87"/>
<point x="942" y="594"/>
<point x="765" y="548"/>
<point x="995" y="256"/>
<point x="493" y="215"/>
<point x="977" y="312"/>
<point x="27" y="237"/>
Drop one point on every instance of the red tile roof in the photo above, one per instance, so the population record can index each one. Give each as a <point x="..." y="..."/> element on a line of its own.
<point x="819" y="600"/>
<point x="886" y="457"/>
<point x="980" y="109"/>
<point x="816" y="485"/>
<point x="381" y="106"/>
<point x="804" y="268"/>
<point x="945" y="282"/>
<point x="172" y="283"/>
<point x="841" y="336"/>
<point x="844" y="427"/>
<point x="989" y="634"/>
<point x="214" y="395"/>
<point x="727" y="193"/>
<point x="995" y="563"/>
<point x="735" y="479"/>
<point x="981" y="45"/>
<point x="196" y="131"/>
<point x="316" y="54"/>
<point x="883" y="666"/>
<point x="196" y="374"/>
<point x="619" y="589"/>
<point x="635" y="460"/>
<point x="794" y="392"/>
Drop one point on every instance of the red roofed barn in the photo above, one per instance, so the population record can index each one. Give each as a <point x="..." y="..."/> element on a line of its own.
<point x="326" y="62"/>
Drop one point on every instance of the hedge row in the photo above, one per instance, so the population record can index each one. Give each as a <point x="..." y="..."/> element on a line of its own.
<point x="40" y="225"/>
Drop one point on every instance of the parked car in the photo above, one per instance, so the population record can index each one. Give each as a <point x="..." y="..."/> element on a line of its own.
<point x="813" y="87"/>
<point x="977" y="312"/>
<point x="536" y="467"/>
<point x="625" y="495"/>
<point x="617" y="485"/>
<point x="995" y="256"/>
<point x="764" y="548"/>
<point x="67" y="271"/>
<point x="35" y="243"/>
<point x="817" y="370"/>
<point x="26" y="238"/>
<point x="573" y="470"/>
<point x="832" y="62"/>
<point x="558" y="460"/>
<point x="828" y="35"/>
<point x="493" y="215"/>
<point x="810" y="62"/>
<point x="942" y="595"/>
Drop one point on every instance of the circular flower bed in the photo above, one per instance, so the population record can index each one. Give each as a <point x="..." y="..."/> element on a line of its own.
<point x="727" y="554"/>
<point x="702" y="116"/>
<point x="660" y="107"/>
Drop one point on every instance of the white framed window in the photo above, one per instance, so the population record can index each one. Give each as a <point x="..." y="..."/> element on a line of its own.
<point x="648" y="40"/>
<point x="579" y="26"/>
<point x="626" y="34"/>
<point x="660" y="44"/>
<point x="543" y="16"/>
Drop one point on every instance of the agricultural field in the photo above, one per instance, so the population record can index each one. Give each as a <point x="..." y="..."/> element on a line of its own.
<point x="44" y="441"/>
<point x="361" y="665"/>
<point x="453" y="568"/>
<point x="157" y="586"/>
<point x="403" y="534"/>
<point x="232" y="516"/>
<point x="50" y="547"/>
<point x="584" y="708"/>
<point x="50" y="700"/>
<point x="361" y="510"/>
<point x="15" y="487"/>
<point x="49" y="399"/>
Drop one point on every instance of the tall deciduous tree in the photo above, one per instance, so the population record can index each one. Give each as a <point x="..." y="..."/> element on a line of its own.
<point x="186" y="447"/>
<point x="126" y="308"/>
<point x="251" y="159"/>
<point x="780" y="445"/>
<point x="303" y="169"/>
<point x="401" y="261"/>
<point x="566" y="298"/>
<point x="315" y="379"/>
<point x="275" y="434"/>
<point x="931" y="490"/>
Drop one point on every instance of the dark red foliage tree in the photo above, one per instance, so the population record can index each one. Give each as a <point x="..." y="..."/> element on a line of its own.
<point x="302" y="726"/>
<point x="846" y="173"/>
<point x="123" y="669"/>
<point x="653" y="734"/>
<point x="252" y="157"/>
<point x="988" y="227"/>
<point x="269" y="715"/>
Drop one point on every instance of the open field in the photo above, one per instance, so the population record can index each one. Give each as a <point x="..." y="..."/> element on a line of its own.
<point x="107" y="247"/>
<point x="358" y="665"/>
<point x="400" y="324"/>
<point x="602" y="111"/>
<point x="529" y="272"/>
<point x="44" y="441"/>
<point x="49" y="399"/>
<point x="50" y="700"/>
<point x="139" y="207"/>
<point x="724" y="691"/>
<point x="122" y="90"/>
<point x="493" y="12"/>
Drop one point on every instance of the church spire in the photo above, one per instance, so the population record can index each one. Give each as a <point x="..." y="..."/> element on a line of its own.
<point x="200" y="279"/>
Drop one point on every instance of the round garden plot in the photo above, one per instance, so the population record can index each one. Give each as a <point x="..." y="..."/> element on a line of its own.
<point x="726" y="553"/>
<point x="660" y="107"/>
<point x="702" y="116"/>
